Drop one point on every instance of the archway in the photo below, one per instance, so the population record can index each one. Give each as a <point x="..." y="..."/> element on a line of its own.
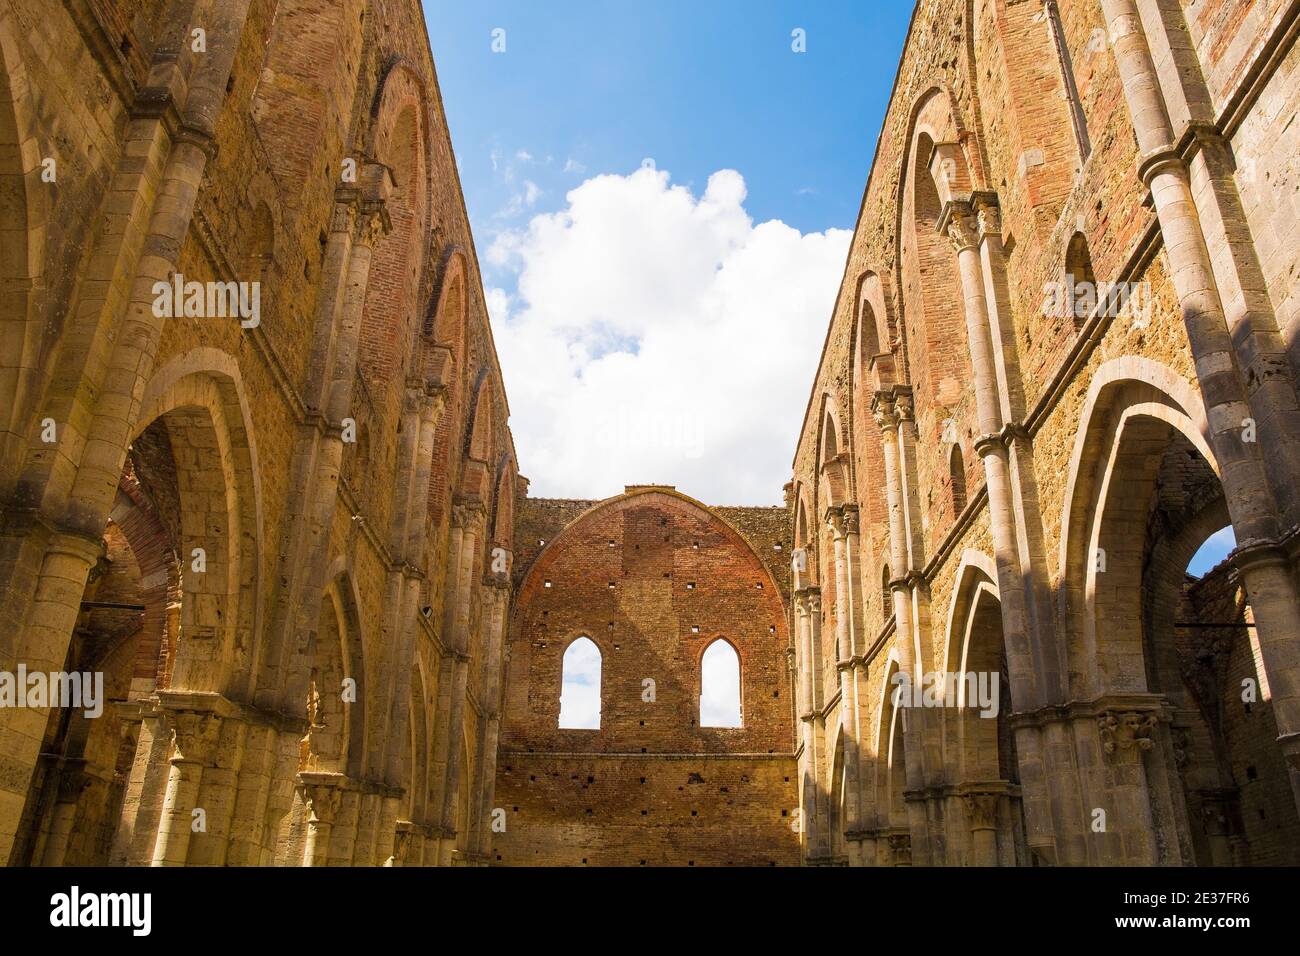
<point x="987" y="826"/>
<point x="1187" y="721"/>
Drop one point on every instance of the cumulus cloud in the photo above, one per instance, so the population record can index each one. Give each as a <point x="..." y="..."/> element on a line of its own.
<point x="657" y="336"/>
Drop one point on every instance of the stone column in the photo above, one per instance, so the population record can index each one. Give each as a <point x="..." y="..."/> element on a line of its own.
<point x="363" y="853"/>
<point x="982" y="810"/>
<point x="252" y="794"/>
<point x="386" y="833"/>
<point x="891" y="414"/>
<point x="209" y="845"/>
<point x="469" y="515"/>
<point x="142" y="800"/>
<point x="321" y="792"/>
<point x="360" y="220"/>
<point x="808" y="611"/>
<point x="344" y="836"/>
<point x="841" y="521"/>
<point x="195" y="736"/>
<point x="1025" y="650"/>
<point x="1258" y="487"/>
<point x="497" y="589"/>
<point x="73" y="781"/>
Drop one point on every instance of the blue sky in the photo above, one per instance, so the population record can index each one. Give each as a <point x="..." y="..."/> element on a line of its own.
<point x="662" y="197"/>
<point x="697" y="86"/>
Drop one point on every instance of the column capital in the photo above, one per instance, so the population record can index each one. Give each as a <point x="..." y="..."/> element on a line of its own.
<point x="195" y="734"/>
<point x="989" y="443"/>
<point x="850" y="519"/>
<point x="323" y="793"/>
<point x="988" y="216"/>
<point x="809" y="599"/>
<point x="1126" y="730"/>
<point x="885" y="415"/>
<point x="983" y="809"/>
<point x="468" y="512"/>
<point x="959" y="223"/>
<point x="835" y="521"/>
<point x="372" y="224"/>
<point x="904" y="407"/>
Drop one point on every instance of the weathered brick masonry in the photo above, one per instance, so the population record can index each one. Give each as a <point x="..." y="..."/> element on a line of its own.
<point x="298" y="549"/>
<point x="1001" y="474"/>
<point x="276" y="539"/>
<point x="653" y="578"/>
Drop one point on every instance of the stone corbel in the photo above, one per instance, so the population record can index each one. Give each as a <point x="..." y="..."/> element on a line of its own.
<point x="1126" y="730"/>
<point x="983" y="810"/>
<point x="900" y="848"/>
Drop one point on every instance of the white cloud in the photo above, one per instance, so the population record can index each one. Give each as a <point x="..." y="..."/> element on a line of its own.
<point x="657" y="336"/>
<point x="521" y="201"/>
<point x="573" y="166"/>
<point x="524" y="156"/>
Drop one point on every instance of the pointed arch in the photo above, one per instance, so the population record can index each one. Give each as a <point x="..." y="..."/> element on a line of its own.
<point x="1080" y="280"/>
<point x="1134" y="405"/>
<point x="935" y="171"/>
<point x="956" y="479"/>
<point x="835" y="455"/>
<point x="198" y="402"/>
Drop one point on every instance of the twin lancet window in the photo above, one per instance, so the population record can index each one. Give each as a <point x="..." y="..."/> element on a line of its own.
<point x="580" y="686"/>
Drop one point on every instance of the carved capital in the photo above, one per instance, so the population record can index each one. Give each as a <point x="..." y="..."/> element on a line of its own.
<point x="885" y="415"/>
<point x="1126" y="730"/>
<point x="983" y="810"/>
<point x="809" y="600"/>
<point x="963" y="229"/>
<point x="903" y="407"/>
<point x="900" y="847"/>
<point x="344" y="217"/>
<point x="850" y="519"/>
<point x="468" y="513"/>
<point x="323" y="792"/>
<point x="835" y="521"/>
<point x="989" y="218"/>
<point x="195" y="734"/>
<point x="372" y="224"/>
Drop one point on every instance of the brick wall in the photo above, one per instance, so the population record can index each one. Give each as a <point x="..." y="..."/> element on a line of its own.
<point x="650" y="784"/>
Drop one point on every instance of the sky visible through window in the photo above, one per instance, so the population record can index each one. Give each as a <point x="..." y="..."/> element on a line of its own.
<point x="720" y="686"/>
<point x="1216" y="547"/>
<point x="662" y="197"/>
<point x="580" y="686"/>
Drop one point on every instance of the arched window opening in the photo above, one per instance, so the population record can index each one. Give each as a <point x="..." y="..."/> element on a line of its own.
<point x="868" y="335"/>
<point x="720" y="686"/>
<point x="580" y="686"/>
<point x="1080" y="280"/>
<point x="1213" y="552"/>
<point x="831" y="441"/>
<point x="957" y="480"/>
<point x="886" y="596"/>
